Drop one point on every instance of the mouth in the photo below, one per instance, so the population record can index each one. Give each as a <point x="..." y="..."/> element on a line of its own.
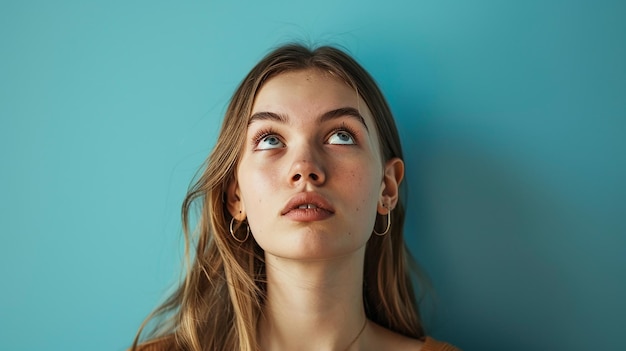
<point x="308" y="206"/>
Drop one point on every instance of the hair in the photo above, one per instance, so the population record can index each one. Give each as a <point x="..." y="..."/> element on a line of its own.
<point x="218" y="304"/>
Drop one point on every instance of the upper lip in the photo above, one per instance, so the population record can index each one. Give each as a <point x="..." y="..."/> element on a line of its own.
<point x="306" y="198"/>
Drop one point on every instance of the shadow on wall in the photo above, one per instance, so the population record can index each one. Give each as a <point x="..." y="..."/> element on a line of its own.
<point x="503" y="249"/>
<point x="485" y="234"/>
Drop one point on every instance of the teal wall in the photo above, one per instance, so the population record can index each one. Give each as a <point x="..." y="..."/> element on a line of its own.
<point x="513" y="118"/>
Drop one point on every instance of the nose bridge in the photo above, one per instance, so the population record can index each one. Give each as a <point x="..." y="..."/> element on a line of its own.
<point x="307" y="164"/>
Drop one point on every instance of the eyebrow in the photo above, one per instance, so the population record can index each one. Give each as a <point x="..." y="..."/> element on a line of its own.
<point x="327" y="116"/>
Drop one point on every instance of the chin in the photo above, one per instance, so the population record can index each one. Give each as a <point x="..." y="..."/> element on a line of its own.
<point x="308" y="250"/>
<point x="311" y="242"/>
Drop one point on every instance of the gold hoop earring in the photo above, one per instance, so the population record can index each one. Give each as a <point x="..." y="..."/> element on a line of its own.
<point x="388" y="226"/>
<point x="233" y="234"/>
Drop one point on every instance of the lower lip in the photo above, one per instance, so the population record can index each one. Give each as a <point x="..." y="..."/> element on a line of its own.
<point x="308" y="214"/>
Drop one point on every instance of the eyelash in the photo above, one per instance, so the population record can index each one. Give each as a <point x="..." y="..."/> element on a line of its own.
<point x="344" y="128"/>
<point x="263" y="133"/>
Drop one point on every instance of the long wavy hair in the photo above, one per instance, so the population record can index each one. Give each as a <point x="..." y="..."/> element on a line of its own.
<point x="217" y="305"/>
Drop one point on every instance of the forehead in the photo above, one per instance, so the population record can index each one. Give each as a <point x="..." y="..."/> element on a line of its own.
<point x="309" y="89"/>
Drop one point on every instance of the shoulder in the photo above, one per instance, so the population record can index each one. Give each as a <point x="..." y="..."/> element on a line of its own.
<point x="431" y="344"/>
<point x="166" y="343"/>
<point x="381" y="338"/>
<point x="385" y="339"/>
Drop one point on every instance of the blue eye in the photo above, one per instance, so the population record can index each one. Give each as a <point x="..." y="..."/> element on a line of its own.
<point x="270" y="142"/>
<point x="341" y="137"/>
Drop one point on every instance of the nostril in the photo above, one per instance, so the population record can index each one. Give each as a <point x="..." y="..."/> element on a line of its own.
<point x="314" y="176"/>
<point x="297" y="177"/>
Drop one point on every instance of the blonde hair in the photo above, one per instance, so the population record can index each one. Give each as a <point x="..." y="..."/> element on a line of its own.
<point x="220" y="300"/>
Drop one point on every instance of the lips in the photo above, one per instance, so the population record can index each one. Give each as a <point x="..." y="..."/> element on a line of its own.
<point x="308" y="206"/>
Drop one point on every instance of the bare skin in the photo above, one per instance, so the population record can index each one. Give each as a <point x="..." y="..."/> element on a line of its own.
<point x="322" y="311"/>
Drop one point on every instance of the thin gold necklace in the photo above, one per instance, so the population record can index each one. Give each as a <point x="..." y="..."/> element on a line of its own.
<point x="357" y="336"/>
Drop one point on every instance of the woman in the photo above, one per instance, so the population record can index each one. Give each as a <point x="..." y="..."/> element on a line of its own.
<point x="298" y="243"/>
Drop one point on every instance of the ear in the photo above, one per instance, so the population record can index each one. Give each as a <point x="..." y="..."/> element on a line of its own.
<point x="233" y="201"/>
<point x="390" y="187"/>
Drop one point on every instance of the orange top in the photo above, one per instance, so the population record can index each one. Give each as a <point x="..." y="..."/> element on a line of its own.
<point x="167" y="343"/>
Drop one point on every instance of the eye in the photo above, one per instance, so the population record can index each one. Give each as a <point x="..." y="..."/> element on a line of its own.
<point x="269" y="142"/>
<point x="341" y="137"/>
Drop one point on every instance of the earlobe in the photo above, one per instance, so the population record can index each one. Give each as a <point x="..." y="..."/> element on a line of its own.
<point x="233" y="201"/>
<point x="392" y="177"/>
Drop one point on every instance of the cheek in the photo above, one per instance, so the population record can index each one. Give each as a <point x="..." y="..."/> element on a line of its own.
<point x="362" y="183"/>
<point x="258" y="184"/>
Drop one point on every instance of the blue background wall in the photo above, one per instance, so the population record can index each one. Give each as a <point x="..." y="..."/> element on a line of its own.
<point x="513" y="115"/>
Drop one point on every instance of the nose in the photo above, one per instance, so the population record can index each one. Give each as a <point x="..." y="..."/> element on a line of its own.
<point x="307" y="167"/>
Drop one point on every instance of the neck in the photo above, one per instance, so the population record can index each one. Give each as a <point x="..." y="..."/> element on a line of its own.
<point x="313" y="304"/>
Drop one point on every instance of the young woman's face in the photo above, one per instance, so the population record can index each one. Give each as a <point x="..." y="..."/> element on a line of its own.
<point x="311" y="177"/>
